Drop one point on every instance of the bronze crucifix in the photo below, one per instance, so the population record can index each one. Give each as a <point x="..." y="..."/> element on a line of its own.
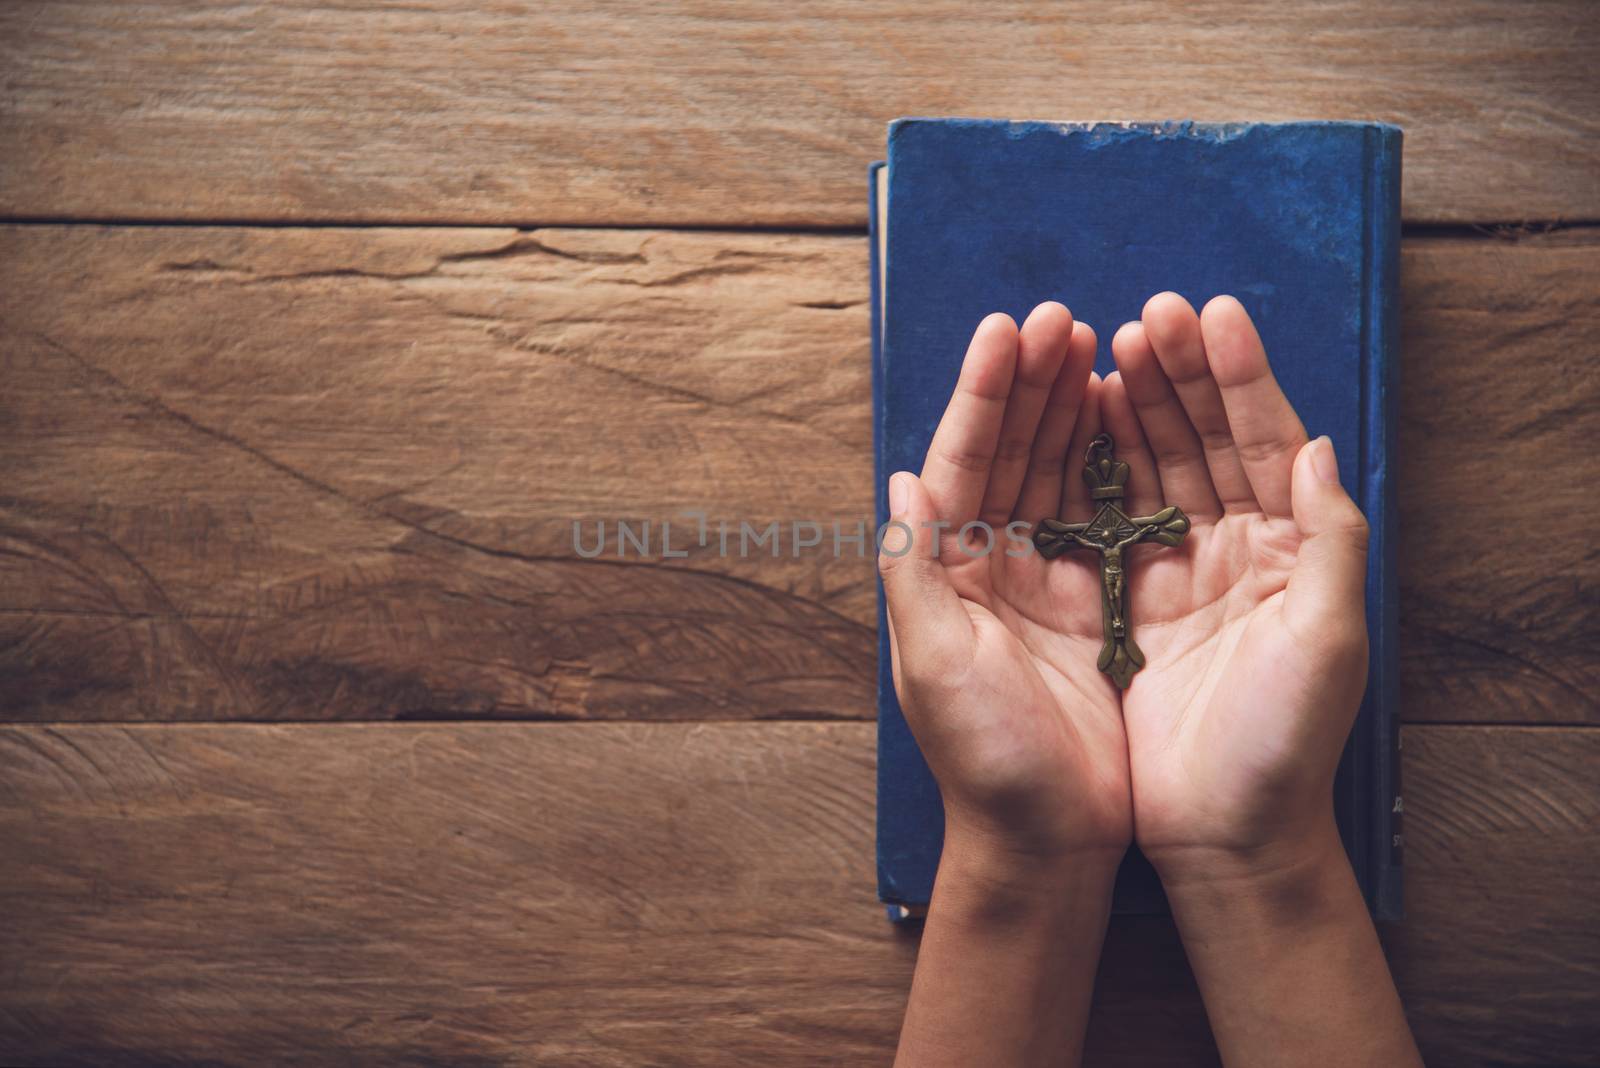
<point x="1109" y="533"/>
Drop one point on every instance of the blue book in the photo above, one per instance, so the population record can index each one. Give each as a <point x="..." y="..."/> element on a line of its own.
<point x="1300" y="221"/>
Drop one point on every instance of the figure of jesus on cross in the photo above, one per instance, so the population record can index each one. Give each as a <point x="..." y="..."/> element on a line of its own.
<point x="1109" y="533"/>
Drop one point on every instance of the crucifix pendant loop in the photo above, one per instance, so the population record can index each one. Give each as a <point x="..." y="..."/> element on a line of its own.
<point x="1110" y="533"/>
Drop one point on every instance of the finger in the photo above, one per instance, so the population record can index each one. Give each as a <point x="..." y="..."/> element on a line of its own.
<point x="956" y="470"/>
<point x="1266" y="431"/>
<point x="1075" y="504"/>
<point x="931" y="629"/>
<point x="1181" y="462"/>
<point x="1041" y="350"/>
<point x="1174" y="332"/>
<point x="1326" y="597"/>
<point x="1041" y="488"/>
<point x="1117" y="418"/>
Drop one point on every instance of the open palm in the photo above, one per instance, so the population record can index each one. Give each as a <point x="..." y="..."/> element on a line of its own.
<point x="1254" y="633"/>
<point x="1249" y="629"/>
<point x="994" y="652"/>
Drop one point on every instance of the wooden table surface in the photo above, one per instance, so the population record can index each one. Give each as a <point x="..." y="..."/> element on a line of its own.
<point x="322" y="324"/>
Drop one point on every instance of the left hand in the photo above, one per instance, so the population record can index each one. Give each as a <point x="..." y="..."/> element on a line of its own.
<point x="994" y="662"/>
<point x="994" y="654"/>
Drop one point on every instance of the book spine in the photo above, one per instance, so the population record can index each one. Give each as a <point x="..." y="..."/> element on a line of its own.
<point x="1386" y="847"/>
<point x="897" y="912"/>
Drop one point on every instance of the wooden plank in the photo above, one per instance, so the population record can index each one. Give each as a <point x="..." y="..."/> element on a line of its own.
<point x="1499" y="413"/>
<point x="632" y="893"/>
<point x="750" y="113"/>
<point x="266" y="473"/>
<point x="263" y="474"/>
<point x="1498" y="956"/>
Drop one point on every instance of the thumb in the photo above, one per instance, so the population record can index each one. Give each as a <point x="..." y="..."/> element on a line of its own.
<point x="1326" y="594"/>
<point x="930" y="629"/>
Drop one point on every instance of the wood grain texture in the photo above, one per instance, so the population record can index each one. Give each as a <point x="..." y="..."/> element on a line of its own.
<point x="267" y="474"/>
<point x="1502" y="847"/>
<point x="1499" y="415"/>
<point x="280" y="473"/>
<point x="749" y="113"/>
<point x="630" y="894"/>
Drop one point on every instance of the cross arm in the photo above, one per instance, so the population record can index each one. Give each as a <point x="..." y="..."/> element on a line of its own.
<point x="1054" y="537"/>
<point x="1167" y="526"/>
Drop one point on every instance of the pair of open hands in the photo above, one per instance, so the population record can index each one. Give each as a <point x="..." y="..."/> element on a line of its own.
<point x="1253" y="629"/>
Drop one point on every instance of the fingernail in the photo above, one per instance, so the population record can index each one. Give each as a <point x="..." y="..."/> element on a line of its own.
<point x="899" y="493"/>
<point x="1323" y="461"/>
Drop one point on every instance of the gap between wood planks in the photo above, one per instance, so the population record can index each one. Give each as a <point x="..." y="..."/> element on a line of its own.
<point x="1499" y="230"/>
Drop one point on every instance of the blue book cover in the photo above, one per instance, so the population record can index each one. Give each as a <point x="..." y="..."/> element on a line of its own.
<point x="1300" y="221"/>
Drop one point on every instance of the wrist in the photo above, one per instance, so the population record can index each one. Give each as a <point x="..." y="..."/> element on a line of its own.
<point x="988" y="878"/>
<point x="1291" y="873"/>
<point x="1285" y="954"/>
<point x="1008" y="956"/>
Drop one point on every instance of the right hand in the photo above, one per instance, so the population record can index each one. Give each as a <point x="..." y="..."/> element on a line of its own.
<point x="1255" y="630"/>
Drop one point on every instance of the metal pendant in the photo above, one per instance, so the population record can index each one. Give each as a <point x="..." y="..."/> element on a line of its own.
<point x="1110" y="533"/>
